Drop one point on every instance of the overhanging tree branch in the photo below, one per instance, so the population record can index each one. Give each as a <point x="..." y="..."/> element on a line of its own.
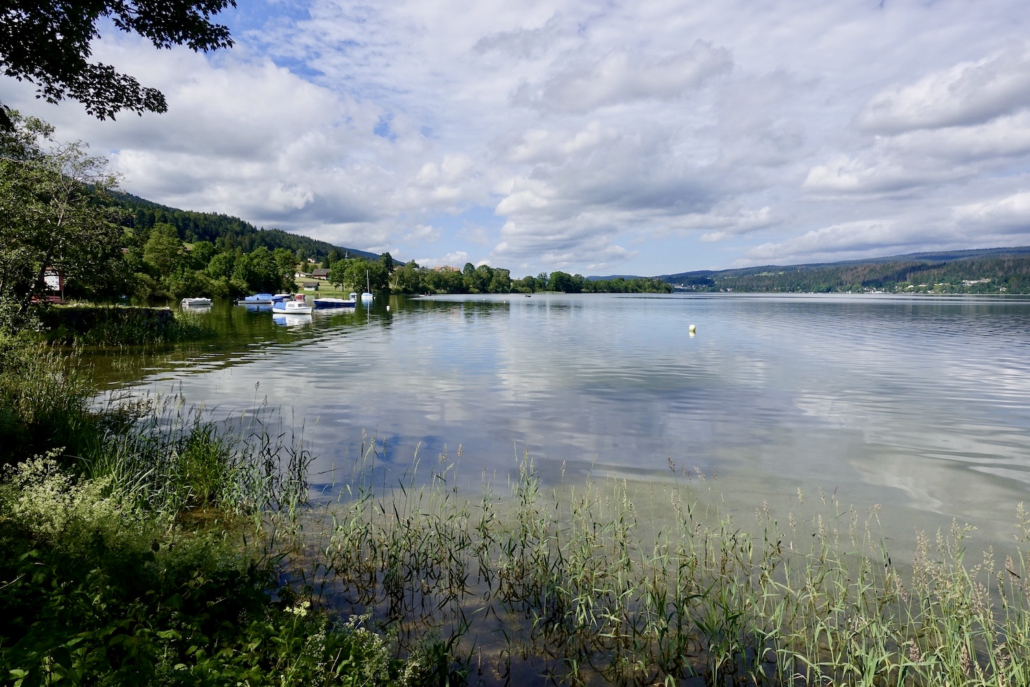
<point x="48" y="43"/>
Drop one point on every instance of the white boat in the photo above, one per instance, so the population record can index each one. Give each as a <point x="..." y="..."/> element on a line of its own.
<point x="195" y="302"/>
<point x="291" y="308"/>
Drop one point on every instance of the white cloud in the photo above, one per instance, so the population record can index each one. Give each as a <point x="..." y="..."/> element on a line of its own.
<point x="1000" y="139"/>
<point x="837" y="242"/>
<point x="622" y="76"/>
<point x="1006" y="215"/>
<point x="455" y="259"/>
<point x="523" y="43"/>
<point x="563" y="134"/>
<point x="422" y="233"/>
<point x="872" y="173"/>
<point x="968" y="93"/>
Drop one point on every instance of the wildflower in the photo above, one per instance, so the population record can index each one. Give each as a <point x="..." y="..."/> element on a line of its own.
<point x="300" y="610"/>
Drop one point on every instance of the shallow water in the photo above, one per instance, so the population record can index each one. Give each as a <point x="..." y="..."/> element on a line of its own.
<point x="919" y="404"/>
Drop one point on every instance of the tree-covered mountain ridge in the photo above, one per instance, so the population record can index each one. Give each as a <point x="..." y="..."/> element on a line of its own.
<point x="224" y="231"/>
<point x="987" y="270"/>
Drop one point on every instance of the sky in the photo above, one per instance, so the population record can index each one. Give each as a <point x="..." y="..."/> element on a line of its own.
<point x="643" y="137"/>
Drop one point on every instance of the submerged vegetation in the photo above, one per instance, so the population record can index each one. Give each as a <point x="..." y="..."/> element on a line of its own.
<point x="579" y="585"/>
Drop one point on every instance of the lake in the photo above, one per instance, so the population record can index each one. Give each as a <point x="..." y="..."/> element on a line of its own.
<point x="921" y="404"/>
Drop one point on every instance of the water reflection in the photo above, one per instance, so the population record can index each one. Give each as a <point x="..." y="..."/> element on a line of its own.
<point x="917" y="403"/>
<point x="291" y="320"/>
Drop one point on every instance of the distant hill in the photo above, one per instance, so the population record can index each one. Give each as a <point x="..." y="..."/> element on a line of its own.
<point x="988" y="270"/>
<point x="224" y="231"/>
<point x="616" y="276"/>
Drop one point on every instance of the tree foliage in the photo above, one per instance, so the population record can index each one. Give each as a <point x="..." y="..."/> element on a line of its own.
<point x="48" y="43"/>
<point x="52" y="217"/>
<point x="227" y="233"/>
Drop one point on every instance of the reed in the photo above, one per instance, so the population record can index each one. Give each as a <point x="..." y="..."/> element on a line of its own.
<point x="170" y="457"/>
<point x="114" y="326"/>
<point x="44" y="400"/>
<point x="575" y="584"/>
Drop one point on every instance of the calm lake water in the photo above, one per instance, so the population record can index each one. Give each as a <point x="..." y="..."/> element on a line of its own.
<point x="919" y="404"/>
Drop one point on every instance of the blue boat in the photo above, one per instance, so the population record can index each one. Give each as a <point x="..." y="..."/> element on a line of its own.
<point x="258" y="299"/>
<point x="332" y="303"/>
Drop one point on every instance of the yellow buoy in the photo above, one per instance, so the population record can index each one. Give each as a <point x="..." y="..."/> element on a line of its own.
<point x="693" y="329"/>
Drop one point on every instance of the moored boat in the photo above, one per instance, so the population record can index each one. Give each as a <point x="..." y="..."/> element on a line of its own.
<point x="367" y="296"/>
<point x="195" y="302"/>
<point x="328" y="303"/>
<point x="258" y="299"/>
<point x="291" y="308"/>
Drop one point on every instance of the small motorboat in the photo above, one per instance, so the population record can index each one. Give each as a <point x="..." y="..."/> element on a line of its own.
<point x="196" y="303"/>
<point x="258" y="299"/>
<point x="291" y="308"/>
<point x="328" y="303"/>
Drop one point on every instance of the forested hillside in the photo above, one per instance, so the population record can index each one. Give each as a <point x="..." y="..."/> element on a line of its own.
<point x="227" y="233"/>
<point x="988" y="271"/>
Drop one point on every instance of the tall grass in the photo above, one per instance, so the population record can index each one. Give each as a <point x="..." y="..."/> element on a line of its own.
<point x="172" y="458"/>
<point x="44" y="400"/>
<point x="577" y="585"/>
<point x="101" y="325"/>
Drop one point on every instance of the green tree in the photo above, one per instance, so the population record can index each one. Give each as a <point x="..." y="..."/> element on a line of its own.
<point x="259" y="271"/>
<point x="409" y="279"/>
<point x="529" y="284"/>
<point x="361" y="272"/>
<point x="49" y="43"/>
<point x="500" y="281"/>
<point x="222" y="266"/>
<point x="164" y="251"/>
<point x="286" y="261"/>
<point x="388" y="262"/>
<point x="561" y="281"/>
<point x="52" y="216"/>
<point x="338" y="273"/>
<point x="201" y="254"/>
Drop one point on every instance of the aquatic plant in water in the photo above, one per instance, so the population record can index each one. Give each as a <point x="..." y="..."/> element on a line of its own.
<point x="577" y="584"/>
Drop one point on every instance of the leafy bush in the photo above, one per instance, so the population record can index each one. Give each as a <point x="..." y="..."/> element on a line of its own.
<point x="97" y="591"/>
